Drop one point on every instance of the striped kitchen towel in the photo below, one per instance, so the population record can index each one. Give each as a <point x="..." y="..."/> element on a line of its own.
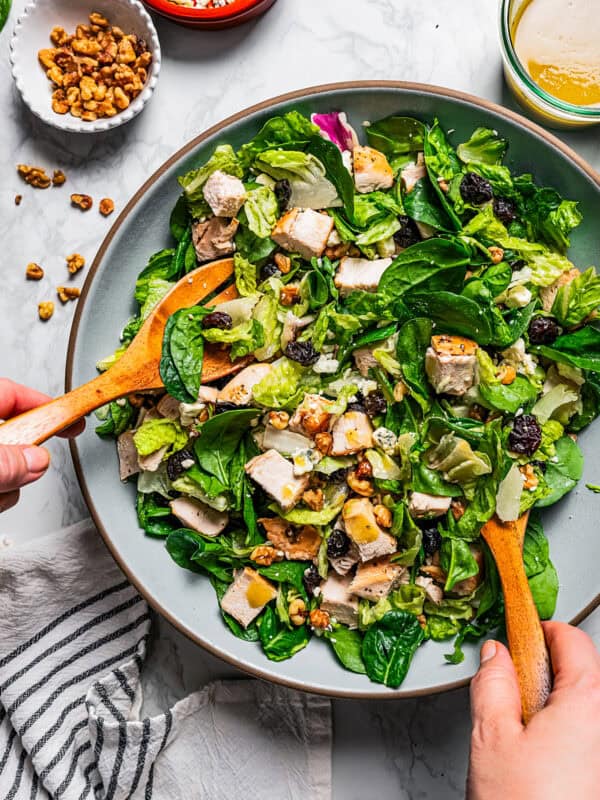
<point x="73" y="637"/>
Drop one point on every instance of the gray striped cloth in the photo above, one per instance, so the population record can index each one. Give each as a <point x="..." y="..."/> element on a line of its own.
<point x="73" y="637"/>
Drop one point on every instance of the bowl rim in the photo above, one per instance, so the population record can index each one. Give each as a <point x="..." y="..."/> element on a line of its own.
<point x="67" y="122"/>
<point x="429" y="89"/>
<point x="174" y="10"/>
<point x="582" y="113"/>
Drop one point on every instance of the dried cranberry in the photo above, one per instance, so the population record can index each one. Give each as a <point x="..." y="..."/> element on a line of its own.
<point x="475" y="189"/>
<point x="175" y="463"/>
<point x="302" y="352"/>
<point x="526" y="435"/>
<point x="375" y="404"/>
<point x="541" y="465"/>
<point x="283" y="193"/>
<point x="311" y="579"/>
<point x="338" y="544"/>
<point x="505" y="210"/>
<point x="222" y="406"/>
<point x="218" y="319"/>
<point x="269" y="270"/>
<point x="432" y="540"/>
<point x="518" y="264"/>
<point x="356" y="407"/>
<point x="408" y="233"/>
<point x="543" y="330"/>
<point x="338" y="475"/>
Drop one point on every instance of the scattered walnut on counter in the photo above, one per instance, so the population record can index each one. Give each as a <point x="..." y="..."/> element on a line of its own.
<point x="83" y="201"/>
<point x="18" y="198"/>
<point x="34" y="176"/>
<point x="34" y="272"/>
<point x="106" y="206"/>
<point x="45" y="310"/>
<point x="58" y="178"/>
<point x="97" y="71"/>
<point x="75" y="262"/>
<point x="66" y="293"/>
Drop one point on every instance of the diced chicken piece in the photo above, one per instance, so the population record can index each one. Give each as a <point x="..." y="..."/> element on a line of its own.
<point x="338" y="601"/>
<point x="304" y="231"/>
<point x="239" y="388"/>
<point x="189" y="413"/>
<point x="468" y="586"/>
<point x="224" y="193"/>
<point x="412" y="173"/>
<point x="360" y="273"/>
<point x="451" y="364"/>
<point x="433" y="592"/>
<point x="214" y="238"/>
<point x="198" y="516"/>
<point x="376" y="578"/>
<point x="168" y="407"/>
<point x="352" y="432"/>
<point x="343" y="564"/>
<point x="312" y="415"/>
<point x="152" y="461"/>
<point x="548" y="293"/>
<point x="208" y="394"/>
<point x="296" y="543"/>
<point x="372" y="170"/>
<point x="364" y="360"/>
<point x="128" y="455"/>
<point x="275" y="475"/>
<point x="247" y="596"/>
<point x="427" y="505"/>
<point x="362" y="528"/>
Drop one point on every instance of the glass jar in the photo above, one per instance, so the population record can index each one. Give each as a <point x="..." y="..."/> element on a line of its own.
<point x="547" y="109"/>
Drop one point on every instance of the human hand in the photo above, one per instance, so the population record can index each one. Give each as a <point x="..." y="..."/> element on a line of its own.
<point x="20" y="465"/>
<point x="556" y="755"/>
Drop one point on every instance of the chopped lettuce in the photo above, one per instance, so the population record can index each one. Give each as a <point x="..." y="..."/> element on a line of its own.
<point x="157" y="433"/>
<point x="261" y="210"/>
<point x="281" y="387"/>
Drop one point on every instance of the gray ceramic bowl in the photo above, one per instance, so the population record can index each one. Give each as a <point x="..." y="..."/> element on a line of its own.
<point x="188" y="600"/>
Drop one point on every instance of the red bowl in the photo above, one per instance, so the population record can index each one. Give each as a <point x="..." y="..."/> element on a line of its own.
<point x="222" y="17"/>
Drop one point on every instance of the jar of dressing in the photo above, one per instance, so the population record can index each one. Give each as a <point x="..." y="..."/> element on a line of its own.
<point x="551" y="54"/>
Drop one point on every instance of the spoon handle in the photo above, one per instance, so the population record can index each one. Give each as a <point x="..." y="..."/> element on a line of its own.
<point x="524" y="630"/>
<point x="39" y="424"/>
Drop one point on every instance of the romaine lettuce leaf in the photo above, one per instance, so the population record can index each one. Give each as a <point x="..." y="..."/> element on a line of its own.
<point x="281" y="387"/>
<point x="576" y="300"/>
<point x="261" y="210"/>
<point x="157" y="433"/>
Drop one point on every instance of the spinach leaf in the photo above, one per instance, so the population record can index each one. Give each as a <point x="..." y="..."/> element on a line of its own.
<point x="375" y="335"/>
<point x="457" y="561"/>
<point x="544" y="588"/>
<point x="430" y="481"/>
<point x="153" y="517"/>
<point x="179" y="220"/>
<point x="396" y="136"/>
<point x="280" y="643"/>
<point x="422" y="205"/>
<point x="408" y="533"/>
<point x="183" y="353"/>
<point x="590" y="399"/>
<point x="413" y="340"/>
<point x="181" y="546"/>
<point x="518" y="394"/>
<point x="484" y="147"/>
<point x="330" y="156"/>
<point x="442" y="164"/>
<point x="452" y="313"/>
<point x="440" y="421"/>
<point x="286" y="572"/>
<point x="119" y="417"/>
<point x="219" y="439"/>
<point x="210" y="486"/>
<point x="347" y="645"/>
<point x="563" y="473"/>
<point x="389" y="646"/>
<point x="579" y="349"/>
<point x="292" y="130"/>
<point x="536" y="552"/>
<point x="160" y="265"/>
<point x="497" y="278"/>
<point x="249" y="634"/>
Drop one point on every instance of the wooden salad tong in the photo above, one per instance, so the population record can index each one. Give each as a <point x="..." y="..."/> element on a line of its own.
<point x="138" y="368"/>
<point x="524" y="630"/>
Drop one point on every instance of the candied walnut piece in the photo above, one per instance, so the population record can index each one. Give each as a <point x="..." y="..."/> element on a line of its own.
<point x="265" y="555"/>
<point x="383" y="515"/>
<point x="58" y="178"/>
<point x="59" y="36"/>
<point x="319" y="619"/>
<point x="66" y="293"/>
<point x="107" y="206"/>
<point x="47" y="57"/>
<point x="98" y="19"/>
<point x="34" y="272"/>
<point x="82" y="201"/>
<point x="289" y="295"/>
<point x="75" y="262"/>
<point x="59" y="102"/>
<point x="496" y="254"/>
<point x="314" y="499"/>
<point x="324" y="442"/>
<point x="34" y="176"/>
<point x="298" y="612"/>
<point x="18" y="198"/>
<point x="45" y="310"/>
<point x="283" y="263"/>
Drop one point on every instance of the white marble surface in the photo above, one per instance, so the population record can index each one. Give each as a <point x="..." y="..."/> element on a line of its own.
<point x="410" y="749"/>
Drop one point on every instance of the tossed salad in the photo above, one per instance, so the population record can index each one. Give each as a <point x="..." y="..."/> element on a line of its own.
<point x="424" y="355"/>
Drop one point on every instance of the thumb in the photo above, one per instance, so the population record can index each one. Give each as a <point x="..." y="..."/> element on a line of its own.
<point x="495" y="699"/>
<point x="21" y="465"/>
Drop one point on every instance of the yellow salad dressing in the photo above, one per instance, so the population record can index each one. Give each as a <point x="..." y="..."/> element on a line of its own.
<point x="558" y="43"/>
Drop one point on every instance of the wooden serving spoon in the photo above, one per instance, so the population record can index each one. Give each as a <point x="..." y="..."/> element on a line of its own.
<point x="138" y="368"/>
<point x="525" y="635"/>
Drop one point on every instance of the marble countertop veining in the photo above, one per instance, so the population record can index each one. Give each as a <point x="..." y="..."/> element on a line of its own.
<point x="409" y="749"/>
